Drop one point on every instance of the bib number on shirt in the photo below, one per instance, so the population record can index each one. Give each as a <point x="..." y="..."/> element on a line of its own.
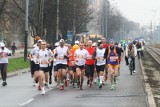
<point x="99" y="58"/>
<point x="113" y="58"/>
<point x="44" y="62"/>
<point x="72" y="63"/>
<point x="60" y="58"/>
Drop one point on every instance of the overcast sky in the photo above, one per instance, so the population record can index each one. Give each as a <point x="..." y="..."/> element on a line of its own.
<point x="142" y="11"/>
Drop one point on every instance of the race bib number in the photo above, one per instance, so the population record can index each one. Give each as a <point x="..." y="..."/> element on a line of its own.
<point x="113" y="58"/>
<point x="60" y="58"/>
<point x="3" y="55"/>
<point x="80" y="56"/>
<point x="99" y="58"/>
<point x="72" y="63"/>
<point x="44" y="62"/>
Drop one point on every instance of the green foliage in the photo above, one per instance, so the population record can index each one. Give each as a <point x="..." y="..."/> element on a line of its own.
<point x="16" y="64"/>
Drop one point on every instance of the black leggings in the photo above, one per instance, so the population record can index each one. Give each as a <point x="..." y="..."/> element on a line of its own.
<point x="50" y="70"/>
<point x="3" y="68"/>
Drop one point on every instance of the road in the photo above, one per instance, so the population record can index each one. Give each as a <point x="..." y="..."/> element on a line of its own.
<point x="129" y="92"/>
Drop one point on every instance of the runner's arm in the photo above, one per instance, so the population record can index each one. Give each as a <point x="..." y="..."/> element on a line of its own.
<point x="106" y="53"/>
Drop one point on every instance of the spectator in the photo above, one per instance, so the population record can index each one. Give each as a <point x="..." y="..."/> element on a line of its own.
<point x="13" y="48"/>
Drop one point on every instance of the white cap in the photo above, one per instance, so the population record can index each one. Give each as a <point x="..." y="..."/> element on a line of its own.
<point x="56" y="44"/>
<point x="76" y="42"/>
<point x="99" y="41"/>
<point x="119" y="45"/>
<point x="62" y="41"/>
<point x="43" y="42"/>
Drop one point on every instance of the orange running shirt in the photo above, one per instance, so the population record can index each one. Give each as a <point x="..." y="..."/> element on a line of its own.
<point x="71" y="57"/>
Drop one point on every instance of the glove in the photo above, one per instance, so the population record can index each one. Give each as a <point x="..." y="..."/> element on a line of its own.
<point x="66" y="57"/>
<point x="55" y="55"/>
<point x="9" y="54"/>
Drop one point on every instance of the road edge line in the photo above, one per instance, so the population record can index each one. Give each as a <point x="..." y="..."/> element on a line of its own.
<point x="19" y="72"/>
<point x="27" y="102"/>
<point x="150" y="98"/>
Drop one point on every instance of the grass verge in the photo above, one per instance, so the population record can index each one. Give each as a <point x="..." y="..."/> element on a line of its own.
<point x="16" y="64"/>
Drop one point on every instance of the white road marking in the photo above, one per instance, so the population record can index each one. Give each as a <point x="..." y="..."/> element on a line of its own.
<point x="27" y="102"/>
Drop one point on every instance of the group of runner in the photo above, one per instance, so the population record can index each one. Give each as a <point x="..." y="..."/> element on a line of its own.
<point x="71" y="64"/>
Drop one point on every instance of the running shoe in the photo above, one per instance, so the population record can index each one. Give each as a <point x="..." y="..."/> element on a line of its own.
<point x="43" y="92"/>
<point x="67" y="83"/>
<point x="39" y="87"/>
<point x="34" y="83"/>
<point x="4" y="83"/>
<point x="112" y="87"/>
<point x="61" y="87"/>
<point x="100" y="86"/>
<point x="134" y="71"/>
<point x="46" y="85"/>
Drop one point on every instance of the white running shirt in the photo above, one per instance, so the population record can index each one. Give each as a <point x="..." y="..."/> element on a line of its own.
<point x="99" y="56"/>
<point x="34" y="52"/>
<point x="4" y="55"/>
<point x="61" y="51"/>
<point x="44" y="56"/>
<point x="80" y="56"/>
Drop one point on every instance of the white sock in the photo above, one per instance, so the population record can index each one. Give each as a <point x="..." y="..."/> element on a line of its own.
<point x="43" y="89"/>
<point x="101" y="79"/>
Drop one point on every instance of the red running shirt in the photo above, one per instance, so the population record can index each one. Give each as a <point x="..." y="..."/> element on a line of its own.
<point x="90" y="51"/>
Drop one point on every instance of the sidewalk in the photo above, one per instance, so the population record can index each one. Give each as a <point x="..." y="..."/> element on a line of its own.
<point x="18" y="53"/>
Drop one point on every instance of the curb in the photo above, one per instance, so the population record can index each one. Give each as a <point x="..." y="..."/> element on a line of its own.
<point x="150" y="98"/>
<point x="19" y="72"/>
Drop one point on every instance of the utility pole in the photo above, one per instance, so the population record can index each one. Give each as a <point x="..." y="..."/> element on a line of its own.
<point x="41" y="14"/>
<point x="26" y="31"/>
<point x="104" y="18"/>
<point x="74" y="22"/>
<point x="57" y="32"/>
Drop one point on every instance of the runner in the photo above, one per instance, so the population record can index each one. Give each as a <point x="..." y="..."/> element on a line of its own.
<point x="105" y="45"/>
<point x="4" y="53"/>
<point x="43" y="56"/>
<point x="100" y="63"/>
<point x="50" y="65"/>
<point x="90" y="64"/>
<point x="55" y="65"/>
<point x="71" y="66"/>
<point x="80" y="57"/>
<point x="120" y="55"/>
<point x="35" y="63"/>
<point x="61" y="53"/>
<point x="111" y="54"/>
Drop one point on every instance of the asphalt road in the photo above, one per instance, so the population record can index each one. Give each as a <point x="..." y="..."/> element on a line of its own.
<point x="129" y="92"/>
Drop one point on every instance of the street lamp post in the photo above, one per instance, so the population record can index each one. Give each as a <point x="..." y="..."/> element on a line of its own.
<point x="26" y="31"/>
<point x="57" y="32"/>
